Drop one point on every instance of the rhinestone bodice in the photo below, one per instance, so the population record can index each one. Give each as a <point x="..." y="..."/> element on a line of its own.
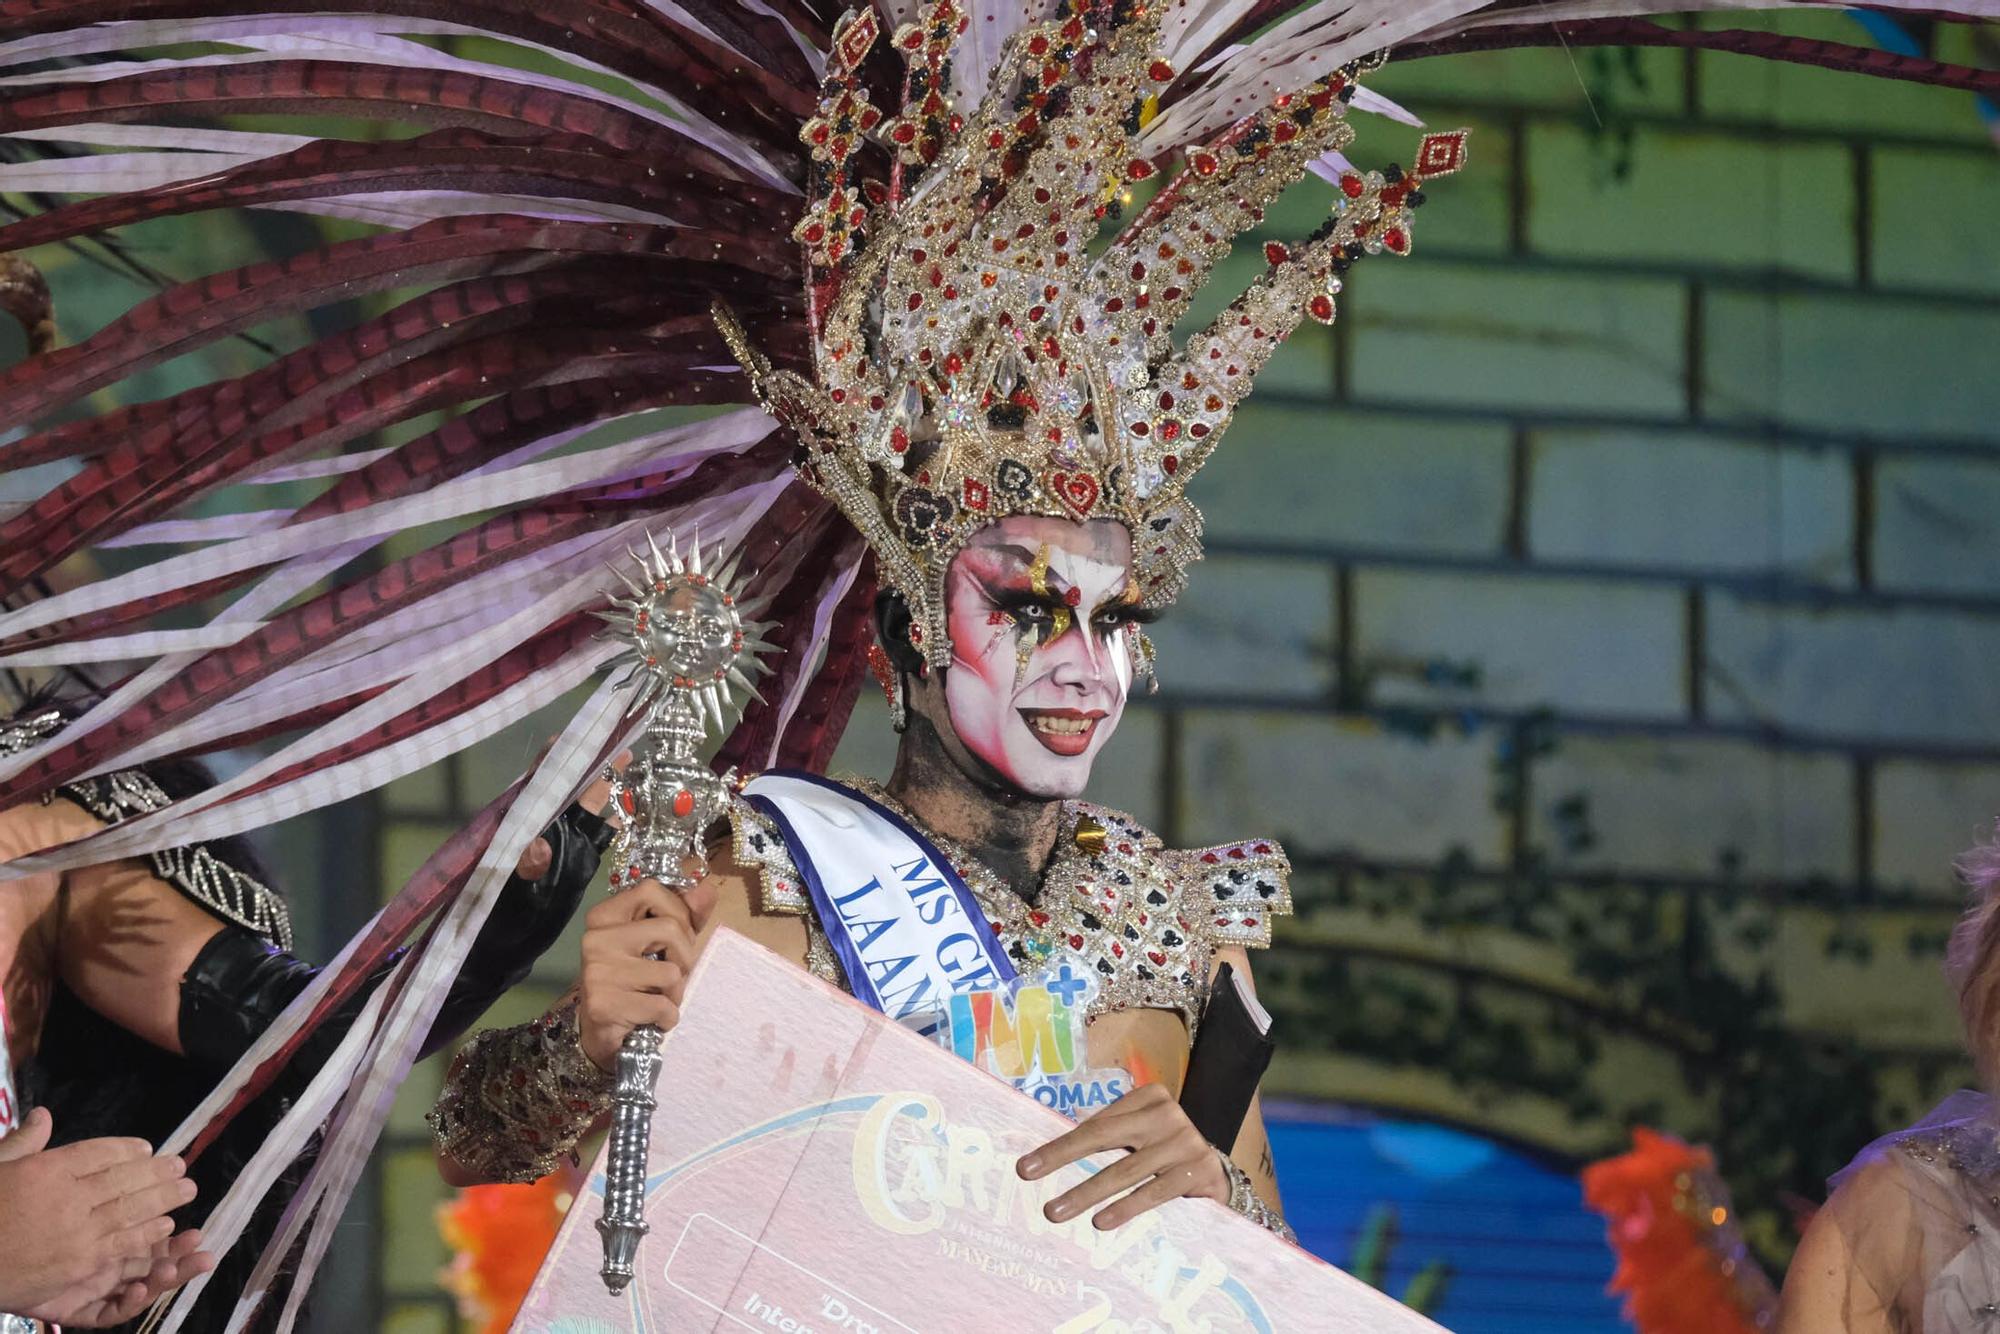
<point x="1147" y="918"/>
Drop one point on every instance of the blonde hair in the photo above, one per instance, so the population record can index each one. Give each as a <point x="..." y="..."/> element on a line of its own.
<point x="1972" y="960"/>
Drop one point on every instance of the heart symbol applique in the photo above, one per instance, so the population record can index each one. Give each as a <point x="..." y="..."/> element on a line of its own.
<point x="1078" y="491"/>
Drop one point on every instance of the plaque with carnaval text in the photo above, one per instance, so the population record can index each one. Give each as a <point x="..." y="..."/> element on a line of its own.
<point x="819" y="1169"/>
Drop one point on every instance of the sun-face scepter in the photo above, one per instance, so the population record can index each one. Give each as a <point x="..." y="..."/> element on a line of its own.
<point x="692" y="648"/>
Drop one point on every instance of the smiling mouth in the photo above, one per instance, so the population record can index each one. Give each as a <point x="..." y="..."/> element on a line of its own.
<point x="1064" y="731"/>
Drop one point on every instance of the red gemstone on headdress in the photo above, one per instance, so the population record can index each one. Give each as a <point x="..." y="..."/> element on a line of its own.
<point x="1138" y="169"/>
<point x="683" y="804"/>
<point x="1172" y="463"/>
<point x="899" y="440"/>
<point x="1321" y="308"/>
<point x="1205" y="164"/>
<point x="1170" y="429"/>
<point x="904" y="132"/>
<point x="916" y="299"/>
<point x="975" y="495"/>
<point x="1035" y="314"/>
<point x="1352" y="185"/>
<point x="1160" y="71"/>
<point x="953" y="363"/>
<point x="1274" y="253"/>
<point x="1285" y="131"/>
<point x="1397" y="240"/>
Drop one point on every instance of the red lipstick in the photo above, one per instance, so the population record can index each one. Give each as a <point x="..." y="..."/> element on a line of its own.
<point x="1064" y="731"/>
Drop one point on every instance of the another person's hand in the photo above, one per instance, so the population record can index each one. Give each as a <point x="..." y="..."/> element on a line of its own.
<point x="85" y="1227"/>
<point x="535" y="859"/>
<point x="623" y="985"/>
<point x="1166" y="1158"/>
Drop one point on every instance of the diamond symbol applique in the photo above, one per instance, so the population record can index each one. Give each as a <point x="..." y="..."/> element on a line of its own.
<point x="1441" y="154"/>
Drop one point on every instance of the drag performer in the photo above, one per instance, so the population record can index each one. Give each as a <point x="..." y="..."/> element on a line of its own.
<point x="1909" y="1241"/>
<point x="899" y="214"/>
<point x="127" y="988"/>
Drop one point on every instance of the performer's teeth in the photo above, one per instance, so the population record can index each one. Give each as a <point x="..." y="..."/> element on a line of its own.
<point x="1070" y="726"/>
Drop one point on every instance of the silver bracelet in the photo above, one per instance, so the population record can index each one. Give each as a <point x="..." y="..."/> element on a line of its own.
<point x="1245" y="1200"/>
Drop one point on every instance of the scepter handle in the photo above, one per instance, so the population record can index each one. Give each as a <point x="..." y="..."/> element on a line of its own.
<point x="630" y="1145"/>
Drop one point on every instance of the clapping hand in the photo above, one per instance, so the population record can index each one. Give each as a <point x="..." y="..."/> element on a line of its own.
<point x="85" y="1227"/>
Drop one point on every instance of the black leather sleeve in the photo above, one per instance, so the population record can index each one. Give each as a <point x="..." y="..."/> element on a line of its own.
<point x="240" y="982"/>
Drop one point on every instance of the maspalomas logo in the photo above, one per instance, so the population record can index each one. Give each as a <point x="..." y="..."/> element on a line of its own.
<point x="1031" y="1032"/>
<point x="916" y="1173"/>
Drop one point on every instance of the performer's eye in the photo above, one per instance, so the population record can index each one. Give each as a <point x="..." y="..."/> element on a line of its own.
<point x="1121" y="614"/>
<point x="1023" y="605"/>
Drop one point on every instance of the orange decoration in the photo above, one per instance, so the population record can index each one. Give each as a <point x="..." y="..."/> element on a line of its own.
<point x="500" y="1236"/>
<point x="1682" y="1265"/>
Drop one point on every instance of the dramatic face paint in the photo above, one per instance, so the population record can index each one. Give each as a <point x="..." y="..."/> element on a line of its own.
<point x="1040" y="612"/>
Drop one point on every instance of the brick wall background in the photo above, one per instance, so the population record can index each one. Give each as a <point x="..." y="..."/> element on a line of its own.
<point x="1605" y="613"/>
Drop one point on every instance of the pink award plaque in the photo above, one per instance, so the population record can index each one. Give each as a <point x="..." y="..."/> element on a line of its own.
<point x="817" y="1169"/>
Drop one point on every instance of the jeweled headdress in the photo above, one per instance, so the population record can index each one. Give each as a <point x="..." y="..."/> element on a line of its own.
<point x="548" y="226"/>
<point x="977" y="355"/>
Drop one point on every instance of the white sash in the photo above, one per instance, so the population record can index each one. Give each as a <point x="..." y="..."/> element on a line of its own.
<point x="10" y="1098"/>
<point x="904" y="925"/>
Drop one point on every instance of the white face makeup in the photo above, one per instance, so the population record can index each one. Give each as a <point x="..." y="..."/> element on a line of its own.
<point x="1040" y="611"/>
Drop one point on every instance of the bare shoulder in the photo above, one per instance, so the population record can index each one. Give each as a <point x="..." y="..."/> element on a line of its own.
<point x="738" y="903"/>
<point x="1844" y="1275"/>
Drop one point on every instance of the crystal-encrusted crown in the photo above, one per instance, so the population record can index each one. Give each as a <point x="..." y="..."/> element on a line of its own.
<point x="977" y="356"/>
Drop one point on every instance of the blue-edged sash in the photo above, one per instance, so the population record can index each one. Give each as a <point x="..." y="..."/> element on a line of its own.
<point x="904" y="924"/>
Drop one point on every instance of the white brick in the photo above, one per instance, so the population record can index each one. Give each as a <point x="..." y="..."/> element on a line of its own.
<point x="1790" y="205"/>
<point x="1582" y="645"/>
<point x="1839" y="363"/>
<point x="1937" y="525"/>
<point x="1694" y="806"/>
<point x="1451" y="333"/>
<point x="1661" y="498"/>
<point x="1879" y="675"/>
<point x="1894" y="999"/>
<point x="1928" y="812"/>
<point x="1322" y="786"/>
<point x="1931" y="219"/>
<point x="868" y="746"/>
<point x="1394" y="483"/>
<point x="1249" y="625"/>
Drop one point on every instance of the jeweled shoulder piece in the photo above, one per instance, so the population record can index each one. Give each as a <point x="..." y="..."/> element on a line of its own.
<point x="977" y="356"/>
<point x="692" y="648"/>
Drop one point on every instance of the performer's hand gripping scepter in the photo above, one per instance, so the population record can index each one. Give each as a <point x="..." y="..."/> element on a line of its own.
<point x="691" y="648"/>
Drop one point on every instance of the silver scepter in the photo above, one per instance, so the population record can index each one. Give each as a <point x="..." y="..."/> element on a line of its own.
<point x="691" y="649"/>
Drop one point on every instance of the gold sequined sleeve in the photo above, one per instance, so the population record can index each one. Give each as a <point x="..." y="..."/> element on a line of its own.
<point x="1241" y="886"/>
<point x="518" y="1099"/>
